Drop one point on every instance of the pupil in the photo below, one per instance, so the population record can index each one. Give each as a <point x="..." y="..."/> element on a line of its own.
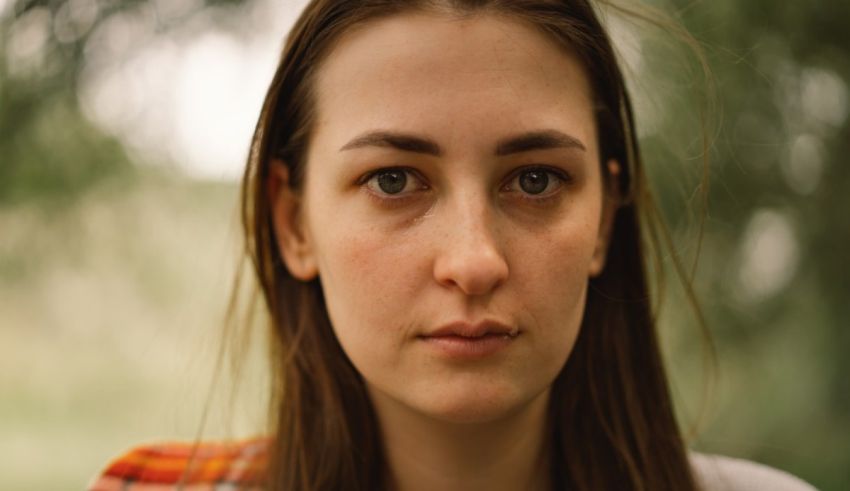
<point x="392" y="182"/>
<point x="534" y="182"/>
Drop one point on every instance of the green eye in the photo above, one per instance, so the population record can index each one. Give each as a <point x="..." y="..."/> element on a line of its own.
<point x="538" y="182"/>
<point x="392" y="181"/>
<point x="534" y="181"/>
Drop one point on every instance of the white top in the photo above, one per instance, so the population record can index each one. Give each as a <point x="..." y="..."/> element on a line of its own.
<point x="718" y="473"/>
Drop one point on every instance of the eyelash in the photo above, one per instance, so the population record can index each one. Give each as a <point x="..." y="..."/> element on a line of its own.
<point x="387" y="199"/>
<point x="562" y="177"/>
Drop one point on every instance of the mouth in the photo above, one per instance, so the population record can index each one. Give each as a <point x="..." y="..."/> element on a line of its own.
<point x="470" y="330"/>
<point x="467" y="341"/>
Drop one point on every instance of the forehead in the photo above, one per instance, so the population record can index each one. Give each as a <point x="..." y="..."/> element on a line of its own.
<point x="446" y="76"/>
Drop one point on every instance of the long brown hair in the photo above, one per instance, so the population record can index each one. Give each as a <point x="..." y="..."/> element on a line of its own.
<point x="612" y="419"/>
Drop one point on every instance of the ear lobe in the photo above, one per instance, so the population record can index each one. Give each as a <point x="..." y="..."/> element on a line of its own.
<point x="293" y="241"/>
<point x="610" y="204"/>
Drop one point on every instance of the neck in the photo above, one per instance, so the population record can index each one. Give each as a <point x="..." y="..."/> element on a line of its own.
<point x="425" y="454"/>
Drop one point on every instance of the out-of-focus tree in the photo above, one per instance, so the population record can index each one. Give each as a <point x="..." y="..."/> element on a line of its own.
<point x="48" y="150"/>
<point x="773" y="274"/>
<point x="102" y="256"/>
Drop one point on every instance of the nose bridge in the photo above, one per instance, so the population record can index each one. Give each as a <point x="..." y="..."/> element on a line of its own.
<point x="475" y="217"/>
<point x="471" y="255"/>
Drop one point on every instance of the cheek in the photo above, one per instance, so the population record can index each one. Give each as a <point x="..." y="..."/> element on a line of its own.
<point x="550" y="278"/>
<point x="370" y="284"/>
<point x="555" y="262"/>
<point x="367" y="265"/>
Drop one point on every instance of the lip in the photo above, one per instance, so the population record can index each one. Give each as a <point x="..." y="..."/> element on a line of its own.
<point x="473" y="330"/>
<point x="468" y="341"/>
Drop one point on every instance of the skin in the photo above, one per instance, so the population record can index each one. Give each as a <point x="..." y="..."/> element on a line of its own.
<point x="462" y="242"/>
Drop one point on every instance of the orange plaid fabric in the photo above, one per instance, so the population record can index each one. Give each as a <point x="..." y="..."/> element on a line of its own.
<point x="187" y="466"/>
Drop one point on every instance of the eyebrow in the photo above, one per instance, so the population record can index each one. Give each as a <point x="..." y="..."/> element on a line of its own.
<point x="525" y="142"/>
<point x="538" y="140"/>
<point x="401" y="141"/>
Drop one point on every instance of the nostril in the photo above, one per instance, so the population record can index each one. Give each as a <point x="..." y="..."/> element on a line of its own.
<point x="471" y="258"/>
<point x="475" y="272"/>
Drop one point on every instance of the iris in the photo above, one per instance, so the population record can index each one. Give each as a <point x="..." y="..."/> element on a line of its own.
<point x="534" y="182"/>
<point x="392" y="181"/>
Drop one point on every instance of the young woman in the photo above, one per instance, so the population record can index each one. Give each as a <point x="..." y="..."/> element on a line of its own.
<point x="444" y="204"/>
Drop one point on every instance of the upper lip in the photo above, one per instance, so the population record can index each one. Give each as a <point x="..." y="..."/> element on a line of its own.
<point x="472" y="329"/>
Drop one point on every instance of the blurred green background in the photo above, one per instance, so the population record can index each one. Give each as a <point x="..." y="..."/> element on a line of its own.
<point x="123" y="128"/>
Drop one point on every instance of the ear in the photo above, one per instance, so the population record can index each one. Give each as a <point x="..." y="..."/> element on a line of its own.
<point x="610" y="204"/>
<point x="293" y="241"/>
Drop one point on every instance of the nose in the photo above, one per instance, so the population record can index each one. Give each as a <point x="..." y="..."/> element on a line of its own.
<point x="470" y="255"/>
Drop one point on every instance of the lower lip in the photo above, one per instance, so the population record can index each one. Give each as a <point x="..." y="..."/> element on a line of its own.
<point x="469" y="348"/>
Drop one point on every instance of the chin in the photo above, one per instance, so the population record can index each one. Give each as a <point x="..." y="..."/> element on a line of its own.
<point x="474" y="406"/>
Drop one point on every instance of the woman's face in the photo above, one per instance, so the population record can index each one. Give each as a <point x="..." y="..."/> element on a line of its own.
<point x="452" y="190"/>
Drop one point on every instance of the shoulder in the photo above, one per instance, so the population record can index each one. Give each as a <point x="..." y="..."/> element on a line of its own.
<point x="167" y="466"/>
<point x="719" y="473"/>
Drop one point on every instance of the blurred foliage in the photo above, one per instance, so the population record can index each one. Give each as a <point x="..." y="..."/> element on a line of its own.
<point x="781" y="74"/>
<point x="772" y="274"/>
<point x="49" y="151"/>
